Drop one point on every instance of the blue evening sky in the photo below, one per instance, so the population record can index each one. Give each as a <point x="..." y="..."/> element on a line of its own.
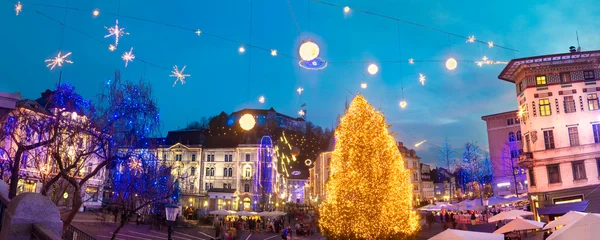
<point x="449" y="105"/>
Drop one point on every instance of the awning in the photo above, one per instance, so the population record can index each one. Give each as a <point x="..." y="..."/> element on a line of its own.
<point x="561" y="209"/>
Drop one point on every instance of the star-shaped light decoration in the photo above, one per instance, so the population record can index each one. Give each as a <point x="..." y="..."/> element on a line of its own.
<point x="115" y="31"/>
<point x="261" y="99"/>
<point x="422" y="79"/>
<point x="198" y="32"/>
<point x="128" y="57"/>
<point x="490" y="44"/>
<point x="18" y="8"/>
<point x="58" y="60"/>
<point x="179" y="75"/>
<point x="363" y="85"/>
<point x="112" y="48"/>
<point x="301" y="113"/>
<point x="273" y="52"/>
<point x="300" y="90"/>
<point x="471" y="39"/>
<point x="135" y="166"/>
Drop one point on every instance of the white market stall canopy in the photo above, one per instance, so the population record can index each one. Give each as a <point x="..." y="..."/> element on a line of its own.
<point x="513" y="214"/>
<point x="586" y="228"/>
<point x="568" y="218"/>
<point x="520" y="225"/>
<point x="453" y="234"/>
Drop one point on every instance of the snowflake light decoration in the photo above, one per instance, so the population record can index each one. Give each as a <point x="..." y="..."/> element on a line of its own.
<point x="198" y="32"/>
<point x="490" y="44"/>
<point x="179" y="75"/>
<point x="422" y="79"/>
<point x="261" y="99"/>
<point x="471" y="39"/>
<point x="300" y="90"/>
<point x="112" y="48"/>
<point x="128" y="57"/>
<point x="116" y="31"/>
<point x="274" y="52"/>
<point x="58" y="60"/>
<point x="315" y="64"/>
<point x="301" y="113"/>
<point x="18" y="8"/>
<point x="135" y="166"/>
<point x="411" y="61"/>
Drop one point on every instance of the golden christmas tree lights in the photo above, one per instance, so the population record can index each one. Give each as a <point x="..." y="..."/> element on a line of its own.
<point x="369" y="193"/>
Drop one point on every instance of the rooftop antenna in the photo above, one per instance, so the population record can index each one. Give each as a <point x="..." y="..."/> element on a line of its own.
<point x="578" y="46"/>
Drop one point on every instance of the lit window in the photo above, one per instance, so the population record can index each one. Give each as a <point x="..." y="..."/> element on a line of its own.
<point x="592" y="101"/>
<point x="570" y="104"/>
<point x="573" y="136"/>
<point x="540" y="80"/>
<point x="545" y="107"/>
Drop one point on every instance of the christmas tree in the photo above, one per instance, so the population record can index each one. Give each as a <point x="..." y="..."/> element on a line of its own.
<point x="369" y="193"/>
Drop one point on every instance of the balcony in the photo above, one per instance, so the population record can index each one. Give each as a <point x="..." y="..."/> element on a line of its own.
<point x="526" y="160"/>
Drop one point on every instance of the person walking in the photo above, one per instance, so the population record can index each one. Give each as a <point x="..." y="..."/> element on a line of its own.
<point x="217" y="225"/>
<point x="473" y="218"/>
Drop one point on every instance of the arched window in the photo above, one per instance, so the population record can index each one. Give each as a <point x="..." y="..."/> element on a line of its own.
<point x="519" y="135"/>
<point x="230" y="172"/>
<point x="192" y="171"/>
<point x="225" y="172"/>
<point x="207" y="171"/>
<point x="511" y="136"/>
<point x="212" y="171"/>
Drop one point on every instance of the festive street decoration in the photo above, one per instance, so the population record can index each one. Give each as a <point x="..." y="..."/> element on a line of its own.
<point x="295" y="151"/>
<point x="486" y="61"/>
<point x="490" y="44"/>
<point x="419" y="143"/>
<point x="300" y="90"/>
<point x="18" y="8"/>
<point x="411" y="61"/>
<point x="247" y="122"/>
<point x="363" y="85"/>
<point x="307" y="162"/>
<point x="96" y="12"/>
<point x="115" y="31"/>
<point x="403" y="104"/>
<point x="241" y="49"/>
<point x="128" y="57"/>
<point x="471" y="39"/>
<point x="372" y="69"/>
<point x="179" y="75"/>
<point x="273" y="52"/>
<point x="451" y="64"/>
<point x="346" y="9"/>
<point x="261" y="99"/>
<point x="58" y="60"/>
<point x="315" y="64"/>
<point x="422" y="79"/>
<point x="308" y="50"/>
<point x="198" y="32"/>
<point x="111" y="48"/>
<point x="301" y="113"/>
<point x="369" y="193"/>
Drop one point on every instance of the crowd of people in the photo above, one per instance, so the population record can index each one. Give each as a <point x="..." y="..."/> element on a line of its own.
<point x="298" y="223"/>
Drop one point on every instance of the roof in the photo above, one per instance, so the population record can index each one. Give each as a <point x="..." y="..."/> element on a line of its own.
<point x="498" y="114"/>
<point x="254" y="111"/>
<point x="186" y="137"/>
<point x="561" y="209"/>
<point x="222" y="190"/>
<point x="507" y="73"/>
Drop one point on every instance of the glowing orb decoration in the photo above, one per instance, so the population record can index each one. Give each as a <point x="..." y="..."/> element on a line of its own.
<point x="273" y="52"/>
<point x="307" y="162"/>
<point x="315" y="64"/>
<point x="295" y="151"/>
<point x="308" y="51"/>
<point x="296" y="173"/>
<point x="363" y="85"/>
<point x="247" y="122"/>
<point x="261" y="99"/>
<point x="242" y="49"/>
<point x="372" y="69"/>
<point x="96" y="12"/>
<point x="403" y="104"/>
<point x="451" y="64"/>
<point x="346" y="9"/>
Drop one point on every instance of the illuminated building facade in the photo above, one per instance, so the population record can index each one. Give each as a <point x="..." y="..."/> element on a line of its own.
<point x="505" y="145"/>
<point x="558" y="104"/>
<point x="412" y="162"/>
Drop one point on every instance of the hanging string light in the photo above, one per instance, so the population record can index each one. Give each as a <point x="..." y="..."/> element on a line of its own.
<point x="18" y="8"/>
<point x="372" y="69"/>
<point x="411" y="61"/>
<point x="179" y="75"/>
<point x="471" y="39"/>
<point x="486" y="61"/>
<point x="490" y="44"/>
<point x="346" y="9"/>
<point x="128" y="57"/>
<point x="198" y="32"/>
<point x="451" y="64"/>
<point x="300" y="90"/>
<point x="261" y="99"/>
<point x="241" y="49"/>
<point x="111" y="48"/>
<point x="58" y="60"/>
<point x="363" y="85"/>
<point x="96" y="12"/>
<point x="301" y="113"/>
<point x="273" y="52"/>
<point x="403" y="104"/>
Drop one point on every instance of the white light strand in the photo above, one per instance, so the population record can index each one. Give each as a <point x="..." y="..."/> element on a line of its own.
<point x="58" y="60"/>
<point x="487" y="61"/>
<point x="179" y="76"/>
<point x="115" y="31"/>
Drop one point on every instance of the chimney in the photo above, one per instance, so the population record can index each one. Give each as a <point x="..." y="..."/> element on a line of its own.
<point x="572" y="49"/>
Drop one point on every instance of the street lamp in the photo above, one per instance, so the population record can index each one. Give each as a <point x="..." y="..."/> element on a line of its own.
<point x="171" y="212"/>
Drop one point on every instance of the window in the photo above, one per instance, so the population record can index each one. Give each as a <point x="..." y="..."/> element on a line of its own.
<point x="592" y="101"/>
<point x="517" y="120"/>
<point x="229" y="185"/>
<point x="531" y="177"/>
<point x="178" y="157"/>
<point x="247" y="157"/>
<point x="514" y="154"/>
<point x="206" y="186"/>
<point x="519" y="135"/>
<point x="573" y="136"/>
<point x="224" y="185"/>
<point x="570" y="104"/>
<point x="24" y="160"/>
<point x="596" y="128"/>
<point x="598" y="164"/>
<point x="565" y="77"/>
<point x="93" y="193"/>
<point x="545" y="107"/>
<point x="553" y="173"/>
<point x="414" y="165"/>
<point x="248" y="172"/>
<point x="578" y="170"/>
<point x="511" y="137"/>
<point x="510" y="121"/>
<point x="207" y="172"/>
<point x="164" y="156"/>
<point x="210" y="186"/>
<point x="192" y="171"/>
<point x="549" y="139"/>
<point x="230" y="158"/>
<point x="521" y="87"/>
<point x="230" y="172"/>
<point x="415" y="176"/>
<point x="89" y="168"/>
<point x="540" y="80"/>
<point x="416" y="187"/>
<point x="226" y="158"/>
<point x="246" y="187"/>
<point x="193" y="157"/>
<point x="588" y="75"/>
<point x="224" y="172"/>
<point x="212" y="172"/>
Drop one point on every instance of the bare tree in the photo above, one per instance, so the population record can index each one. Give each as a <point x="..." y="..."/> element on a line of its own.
<point x="447" y="160"/>
<point x="477" y="167"/>
<point x="510" y="154"/>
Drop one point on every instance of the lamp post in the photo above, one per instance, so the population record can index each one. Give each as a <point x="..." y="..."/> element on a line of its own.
<point x="171" y="212"/>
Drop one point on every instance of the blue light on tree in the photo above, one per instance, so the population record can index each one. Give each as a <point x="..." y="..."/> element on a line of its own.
<point x="315" y="64"/>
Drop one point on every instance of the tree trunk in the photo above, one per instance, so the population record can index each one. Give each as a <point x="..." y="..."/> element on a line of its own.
<point x="14" y="174"/>
<point x="77" y="202"/>
<point x="124" y="219"/>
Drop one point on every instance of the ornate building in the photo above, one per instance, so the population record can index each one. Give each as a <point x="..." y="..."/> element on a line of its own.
<point x="412" y="162"/>
<point x="558" y="108"/>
